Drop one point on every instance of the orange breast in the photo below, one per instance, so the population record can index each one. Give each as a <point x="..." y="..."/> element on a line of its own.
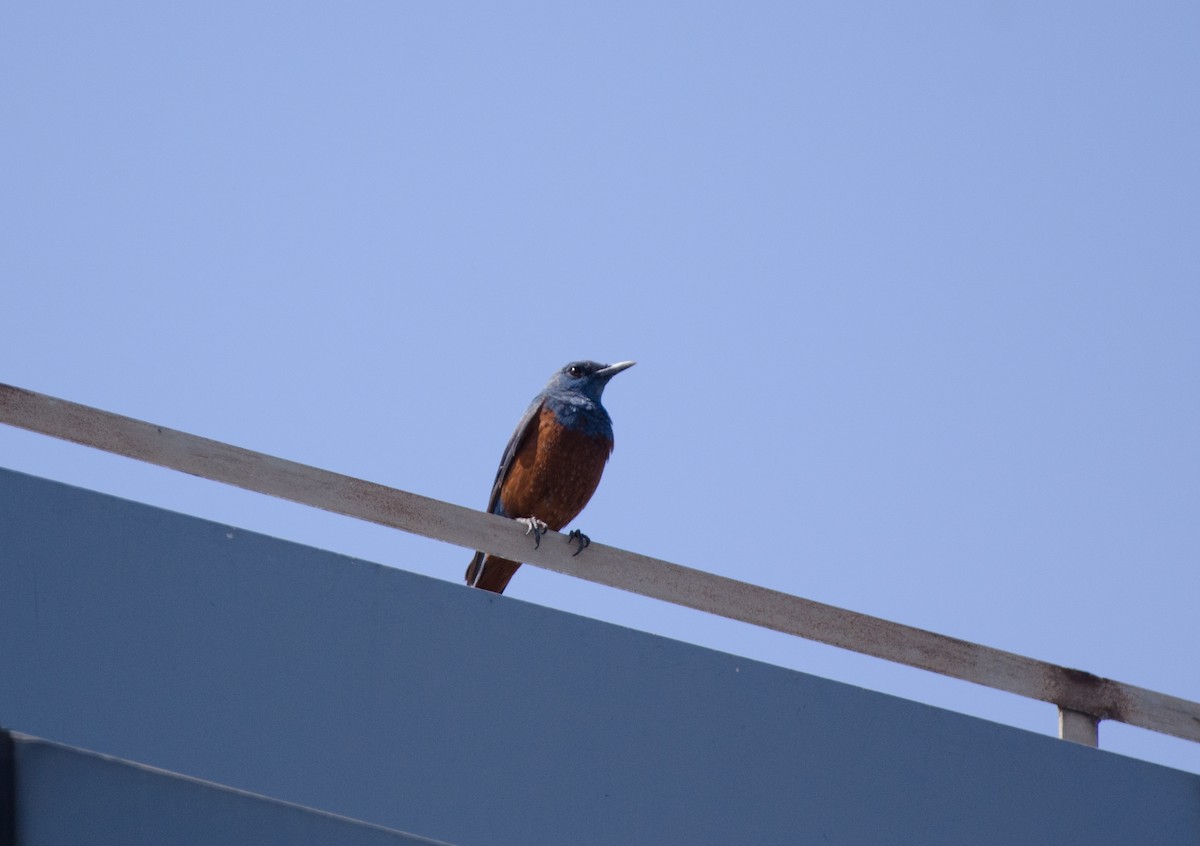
<point x="554" y="473"/>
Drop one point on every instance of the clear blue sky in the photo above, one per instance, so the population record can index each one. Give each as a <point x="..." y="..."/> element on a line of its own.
<point x="914" y="291"/>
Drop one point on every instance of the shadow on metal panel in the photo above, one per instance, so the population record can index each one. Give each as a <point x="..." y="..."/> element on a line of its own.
<point x="424" y="706"/>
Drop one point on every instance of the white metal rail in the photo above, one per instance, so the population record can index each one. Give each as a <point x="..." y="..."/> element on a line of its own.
<point x="1082" y="698"/>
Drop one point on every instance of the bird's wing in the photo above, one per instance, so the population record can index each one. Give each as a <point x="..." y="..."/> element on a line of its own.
<point x="528" y="423"/>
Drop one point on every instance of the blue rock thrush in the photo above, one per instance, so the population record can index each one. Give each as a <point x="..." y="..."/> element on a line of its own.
<point x="552" y="463"/>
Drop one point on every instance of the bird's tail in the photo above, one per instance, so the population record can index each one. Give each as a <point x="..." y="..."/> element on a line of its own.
<point x="490" y="573"/>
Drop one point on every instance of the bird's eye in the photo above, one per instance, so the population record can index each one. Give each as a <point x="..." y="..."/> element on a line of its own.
<point x="575" y="370"/>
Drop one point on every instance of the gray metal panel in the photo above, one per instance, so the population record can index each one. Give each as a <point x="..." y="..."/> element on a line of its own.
<point x="456" y="714"/>
<point x="67" y="795"/>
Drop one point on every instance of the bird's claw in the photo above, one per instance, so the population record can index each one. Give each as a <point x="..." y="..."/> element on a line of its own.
<point x="533" y="524"/>
<point x="584" y="541"/>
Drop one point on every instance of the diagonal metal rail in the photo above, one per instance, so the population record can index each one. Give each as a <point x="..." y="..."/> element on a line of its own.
<point x="1083" y="699"/>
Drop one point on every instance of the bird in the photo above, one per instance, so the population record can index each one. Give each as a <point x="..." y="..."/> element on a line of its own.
<point x="552" y="464"/>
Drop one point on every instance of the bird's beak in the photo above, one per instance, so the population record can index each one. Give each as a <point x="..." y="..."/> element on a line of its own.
<point x="613" y="369"/>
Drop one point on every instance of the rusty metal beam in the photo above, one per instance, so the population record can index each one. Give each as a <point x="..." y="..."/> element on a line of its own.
<point x="1071" y="690"/>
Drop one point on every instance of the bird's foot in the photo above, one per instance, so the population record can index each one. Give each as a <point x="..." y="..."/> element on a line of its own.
<point x="584" y="541"/>
<point x="533" y="524"/>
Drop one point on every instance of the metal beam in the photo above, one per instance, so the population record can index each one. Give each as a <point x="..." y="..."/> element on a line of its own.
<point x="1078" y="727"/>
<point x="1072" y="690"/>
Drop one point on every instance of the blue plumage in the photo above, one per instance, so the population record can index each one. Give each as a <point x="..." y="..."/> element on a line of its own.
<point x="575" y="399"/>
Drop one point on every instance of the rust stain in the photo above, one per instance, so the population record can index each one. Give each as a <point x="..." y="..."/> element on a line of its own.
<point x="1078" y="690"/>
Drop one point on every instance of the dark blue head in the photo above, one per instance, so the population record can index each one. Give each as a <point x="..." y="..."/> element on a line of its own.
<point x="585" y="378"/>
<point x="573" y="394"/>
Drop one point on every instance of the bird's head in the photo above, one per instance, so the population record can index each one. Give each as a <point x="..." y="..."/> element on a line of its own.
<point x="586" y="378"/>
